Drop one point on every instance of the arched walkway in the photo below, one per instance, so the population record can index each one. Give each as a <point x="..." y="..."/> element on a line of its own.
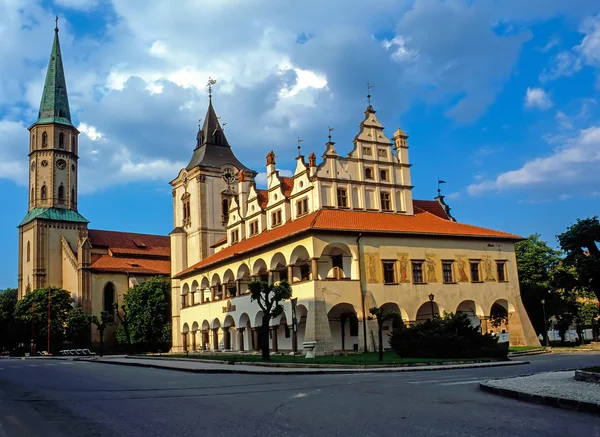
<point x="216" y="338"/>
<point x="185" y="290"/>
<point x="205" y="335"/>
<point x="426" y="311"/>
<point x="279" y="268"/>
<point x="193" y="293"/>
<point x="229" y="284"/>
<point x="389" y="325"/>
<point x="500" y="313"/>
<point x="184" y="334"/>
<point x="244" y="333"/>
<point x="243" y="276"/>
<point x="194" y="332"/>
<point x="343" y="324"/>
<point x="259" y="270"/>
<point x="216" y="288"/>
<point x="229" y="337"/>
<point x="205" y="289"/>
<point x="301" y="265"/>
<point x="472" y="310"/>
<point x="336" y="262"/>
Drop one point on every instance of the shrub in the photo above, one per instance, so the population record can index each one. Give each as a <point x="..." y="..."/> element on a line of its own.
<point x="450" y="336"/>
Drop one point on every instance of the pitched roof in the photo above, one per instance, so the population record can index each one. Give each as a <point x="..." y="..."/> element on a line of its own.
<point x="287" y="184"/>
<point x="263" y="198"/>
<point x="140" y="266"/>
<point x="54" y="106"/>
<point x="131" y="244"/>
<point x="422" y="223"/>
<point x="432" y="206"/>
<point x="219" y="242"/>
<point x="57" y="214"/>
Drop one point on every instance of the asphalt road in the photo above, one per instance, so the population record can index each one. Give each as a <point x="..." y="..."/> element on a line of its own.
<point x="52" y="398"/>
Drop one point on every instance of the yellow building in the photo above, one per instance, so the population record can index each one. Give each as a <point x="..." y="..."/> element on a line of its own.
<point x="348" y="236"/>
<point x="56" y="248"/>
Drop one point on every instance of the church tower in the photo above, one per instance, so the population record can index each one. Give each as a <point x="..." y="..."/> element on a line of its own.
<point x="52" y="228"/>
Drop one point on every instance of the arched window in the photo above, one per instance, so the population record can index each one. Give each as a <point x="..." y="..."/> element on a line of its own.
<point x="32" y="195"/>
<point x="44" y="139"/>
<point x="225" y="212"/>
<point x="61" y="141"/>
<point x="61" y="193"/>
<point x="72" y="195"/>
<point x="44" y="192"/>
<point x="109" y="299"/>
<point x="28" y="251"/>
<point x="72" y="143"/>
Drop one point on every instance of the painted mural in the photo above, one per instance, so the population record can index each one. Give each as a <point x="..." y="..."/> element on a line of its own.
<point x="488" y="270"/>
<point x="403" y="263"/>
<point x="430" y="267"/>
<point x="461" y="269"/>
<point x="372" y="268"/>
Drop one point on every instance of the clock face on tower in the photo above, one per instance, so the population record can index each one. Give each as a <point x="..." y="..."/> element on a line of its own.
<point x="61" y="164"/>
<point x="229" y="175"/>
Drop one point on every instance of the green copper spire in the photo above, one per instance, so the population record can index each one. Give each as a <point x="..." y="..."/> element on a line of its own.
<point x="54" y="107"/>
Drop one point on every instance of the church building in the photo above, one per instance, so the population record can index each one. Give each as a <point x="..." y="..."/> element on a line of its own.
<point x="348" y="236"/>
<point x="56" y="248"/>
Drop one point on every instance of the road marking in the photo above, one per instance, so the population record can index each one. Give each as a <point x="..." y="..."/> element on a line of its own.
<point x="31" y="365"/>
<point x="461" y="382"/>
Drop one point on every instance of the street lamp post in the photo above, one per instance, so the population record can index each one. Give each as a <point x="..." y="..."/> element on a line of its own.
<point x="543" y="301"/>
<point x="431" y="297"/>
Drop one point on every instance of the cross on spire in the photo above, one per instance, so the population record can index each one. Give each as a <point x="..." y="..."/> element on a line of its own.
<point x="209" y="85"/>
<point x="56" y="24"/>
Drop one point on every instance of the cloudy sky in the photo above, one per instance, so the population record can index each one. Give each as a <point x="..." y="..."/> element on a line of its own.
<point x="500" y="99"/>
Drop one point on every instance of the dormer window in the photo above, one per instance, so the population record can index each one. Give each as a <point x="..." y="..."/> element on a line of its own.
<point x="302" y="207"/>
<point x="276" y="218"/>
<point x="367" y="151"/>
<point x="235" y="236"/>
<point x="369" y="173"/>
<point x="382" y="153"/>
<point x="342" y="198"/>
<point x="253" y="228"/>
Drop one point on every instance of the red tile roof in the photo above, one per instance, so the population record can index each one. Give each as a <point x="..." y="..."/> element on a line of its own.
<point x="422" y="223"/>
<point x="263" y="198"/>
<point x="432" y="206"/>
<point x="129" y="243"/>
<point x="140" y="266"/>
<point x="219" y="242"/>
<point x="287" y="184"/>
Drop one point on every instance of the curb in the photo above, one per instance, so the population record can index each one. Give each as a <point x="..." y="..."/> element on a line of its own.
<point x="524" y="354"/>
<point x="320" y="371"/>
<point x="556" y="402"/>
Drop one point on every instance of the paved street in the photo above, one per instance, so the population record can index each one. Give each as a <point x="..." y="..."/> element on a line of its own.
<point x="53" y="398"/>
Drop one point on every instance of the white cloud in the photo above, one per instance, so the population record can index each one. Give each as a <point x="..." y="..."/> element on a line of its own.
<point x="261" y="178"/>
<point x="573" y="164"/>
<point x="92" y="133"/>
<point x="537" y="98"/>
<point x="80" y="5"/>
<point x="13" y="157"/>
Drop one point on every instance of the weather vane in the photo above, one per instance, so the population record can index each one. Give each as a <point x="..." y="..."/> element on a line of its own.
<point x="439" y="183"/>
<point x="209" y="85"/>
<point x="56" y="22"/>
<point x="199" y="122"/>
<point x="330" y="129"/>
<point x="369" y="86"/>
<point x="299" y="141"/>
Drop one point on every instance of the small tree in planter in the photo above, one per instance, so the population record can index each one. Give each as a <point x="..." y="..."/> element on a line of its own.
<point x="101" y="325"/>
<point x="378" y="314"/>
<point x="269" y="298"/>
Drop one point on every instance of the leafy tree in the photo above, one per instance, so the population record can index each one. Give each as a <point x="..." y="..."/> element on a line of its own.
<point x="148" y="311"/>
<point x="78" y="327"/>
<point x="9" y="327"/>
<point x="60" y="308"/>
<point x="381" y="317"/>
<point x="101" y="324"/>
<point x="124" y="324"/>
<point x="535" y="264"/>
<point x="588" y="315"/>
<point x="269" y="298"/>
<point x="579" y="242"/>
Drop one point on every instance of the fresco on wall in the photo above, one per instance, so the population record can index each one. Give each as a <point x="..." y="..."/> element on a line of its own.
<point x="372" y="268"/>
<point x="403" y="263"/>
<point x="461" y="267"/>
<point x="430" y="266"/>
<point x="488" y="271"/>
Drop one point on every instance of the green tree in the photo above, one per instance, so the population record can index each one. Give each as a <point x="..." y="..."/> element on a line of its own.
<point x="381" y="317"/>
<point x="101" y="324"/>
<point x="148" y="312"/>
<point x="124" y="319"/>
<point x="78" y="327"/>
<point x="61" y="305"/>
<point x="9" y="327"/>
<point x="579" y="242"/>
<point x="535" y="264"/>
<point x="269" y="298"/>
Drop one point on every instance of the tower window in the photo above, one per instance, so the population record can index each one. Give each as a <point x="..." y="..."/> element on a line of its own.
<point x="32" y="195"/>
<point x="72" y="195"/>
<point x="28" y="251"/>
<point x="368" y="173"/>
<point x="109" y="299"/>
<point x="61" y="193"/>
<point x="367" y="151"/>
<point x="44" y="139"/>
<point x="383" y="175"/>
<point x="382" y="153"/>
<point x="73" y="143"/>
<point x="385" y="201"/>
<point x="61" y="141"/>
<point x="44" y="192"/>
<point x="225" y="210"/>
<point x="342" y="198"/>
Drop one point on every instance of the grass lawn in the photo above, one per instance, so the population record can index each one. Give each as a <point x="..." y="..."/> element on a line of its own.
<point x="595" y="369"/>
<point x="525" y="348"/>
<point x="389" y="358"/>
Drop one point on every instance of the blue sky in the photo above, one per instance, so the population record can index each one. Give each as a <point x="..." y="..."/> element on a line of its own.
<point x="500" y="99"/>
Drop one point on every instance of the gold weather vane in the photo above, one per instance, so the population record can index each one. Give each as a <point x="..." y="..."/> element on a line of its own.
<point x="209" y="85"/>
<point x="369" y="86"/>
<point x="299" y="141"/>
<point x="330" y="129"/>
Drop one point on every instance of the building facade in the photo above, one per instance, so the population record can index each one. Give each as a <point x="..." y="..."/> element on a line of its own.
<point x="348" y="236"/>
<point x="56" y="248"/>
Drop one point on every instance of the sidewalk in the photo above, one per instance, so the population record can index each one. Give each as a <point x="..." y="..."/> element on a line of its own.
<point x="196" y="366"/>
<point x="557" y="389"/>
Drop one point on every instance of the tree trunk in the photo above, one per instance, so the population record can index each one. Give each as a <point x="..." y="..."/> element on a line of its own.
<point x="380" y="334"/>
<point x="101" y="341"/>
<point x="264" y="338"/>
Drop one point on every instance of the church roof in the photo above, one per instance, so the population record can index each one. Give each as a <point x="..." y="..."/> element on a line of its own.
<point x="54" y="107"/>
<point x="212" y="148"/>
<point x="128" y="252"/>
<point x="423" y="223"/>
<point x="57" y="214"/>
<point x="432" y="206"/>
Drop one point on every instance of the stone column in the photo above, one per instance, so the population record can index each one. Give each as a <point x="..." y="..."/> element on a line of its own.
<point x="212" y="293"/>
<point x="193" y="341"/>
<point x="314" y="267"/>
<point x="237" y="287"/>
<point x="256" y="338"/>
<point x="223" y="291"/>
<point x="274" y="346"/>
<point x="215" y="339"/>
<point x="317" y="327"/>
<point x="271" y="277"/>
<point x="226" y="338"/>
<point x="294" y="338"/>
<point x="240" y="333"/>
<point x="290" y="270"/>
